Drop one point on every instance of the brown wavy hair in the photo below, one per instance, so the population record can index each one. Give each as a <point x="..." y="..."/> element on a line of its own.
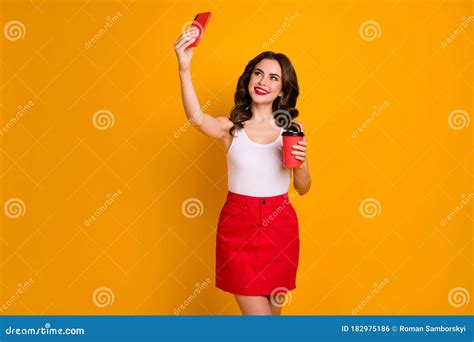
<point x="241" y="110"/>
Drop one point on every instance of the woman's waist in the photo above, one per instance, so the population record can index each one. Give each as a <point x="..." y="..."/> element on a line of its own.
<point x="247" y="200"/>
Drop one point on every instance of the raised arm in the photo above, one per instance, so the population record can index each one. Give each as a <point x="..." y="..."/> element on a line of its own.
<point x="214" y="127"/>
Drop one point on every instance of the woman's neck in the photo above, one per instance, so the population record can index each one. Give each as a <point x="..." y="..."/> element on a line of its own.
<point x="262" y="112"/>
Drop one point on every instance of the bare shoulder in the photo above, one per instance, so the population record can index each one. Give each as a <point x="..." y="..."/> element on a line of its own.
<point x="214" y="127"/>
<point x="225" y="121"/>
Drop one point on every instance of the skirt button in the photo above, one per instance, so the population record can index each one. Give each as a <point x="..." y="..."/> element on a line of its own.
<point x="263" y="201"/>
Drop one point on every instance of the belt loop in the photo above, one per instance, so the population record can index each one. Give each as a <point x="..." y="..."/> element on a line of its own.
<point x="245" y="203"/>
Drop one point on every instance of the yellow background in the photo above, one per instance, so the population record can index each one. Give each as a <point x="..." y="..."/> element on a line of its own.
<point x="142" y="247"/>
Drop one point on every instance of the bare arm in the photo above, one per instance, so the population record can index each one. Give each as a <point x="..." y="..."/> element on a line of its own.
<point x="302" y="177"/>
<point x="215" y="127"/>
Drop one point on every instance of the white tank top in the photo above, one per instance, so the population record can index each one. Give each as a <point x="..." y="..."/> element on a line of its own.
<point x="255" y="169"/>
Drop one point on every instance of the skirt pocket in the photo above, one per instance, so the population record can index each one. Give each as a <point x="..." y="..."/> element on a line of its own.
<point x="231" y="209"/>
<point x="290" y="213"/>
<point x="232" y="217"/>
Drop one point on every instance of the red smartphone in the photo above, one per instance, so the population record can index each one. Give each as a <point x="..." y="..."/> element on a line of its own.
<point x="200" y="21"/>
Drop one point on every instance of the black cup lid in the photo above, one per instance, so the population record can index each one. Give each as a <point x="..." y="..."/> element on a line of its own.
<point x="292" y="133"/>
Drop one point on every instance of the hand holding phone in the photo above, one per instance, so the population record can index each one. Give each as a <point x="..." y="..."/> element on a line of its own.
<point x="200" y="22"/>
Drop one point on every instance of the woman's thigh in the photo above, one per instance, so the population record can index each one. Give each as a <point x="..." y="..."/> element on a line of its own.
<point x="275" y="306"/>
<point x="253" y="305"/>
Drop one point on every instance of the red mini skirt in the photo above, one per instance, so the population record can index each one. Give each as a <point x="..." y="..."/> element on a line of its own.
<point x="257" y="245"/>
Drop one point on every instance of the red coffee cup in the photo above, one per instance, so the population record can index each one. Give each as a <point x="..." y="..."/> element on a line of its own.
<point x="291" y="138"/>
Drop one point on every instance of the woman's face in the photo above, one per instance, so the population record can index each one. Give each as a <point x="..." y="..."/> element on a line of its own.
<point x="265" y="81"/>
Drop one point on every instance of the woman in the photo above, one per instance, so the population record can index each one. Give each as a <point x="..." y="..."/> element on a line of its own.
<point x="257" y="244"/>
